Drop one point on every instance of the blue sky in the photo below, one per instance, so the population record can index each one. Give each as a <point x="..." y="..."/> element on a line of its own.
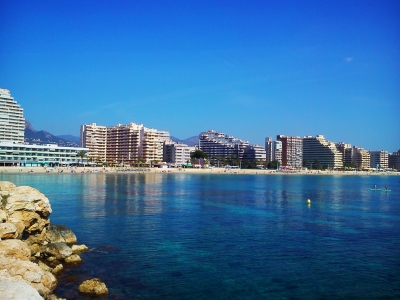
<point x="251" y="69"/>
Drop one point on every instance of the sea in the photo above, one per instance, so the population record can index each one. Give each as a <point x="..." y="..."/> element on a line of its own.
<point x="228" y="236"/>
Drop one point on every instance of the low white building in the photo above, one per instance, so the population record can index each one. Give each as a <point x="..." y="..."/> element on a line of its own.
<point x="14" y="154"/>
<point x="177" y="153"/>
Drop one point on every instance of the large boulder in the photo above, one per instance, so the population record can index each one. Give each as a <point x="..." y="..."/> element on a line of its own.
<point x="93" y="287"/>
<point x="60" y="251"/>
<point x="60" y="234"/>
<point x="25" y="198"/>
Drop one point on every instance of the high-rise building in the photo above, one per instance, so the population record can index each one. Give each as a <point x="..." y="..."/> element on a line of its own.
<point x="269" y="149"/>
<point x="292" y="151"/>
<point x="12" y="122"/>
<point x="379" y="159"/>
<point x="277" y="152"/>
<point x="129" y="144"/>
<point x="94" y="137"/>
<point x="318" y="151"/>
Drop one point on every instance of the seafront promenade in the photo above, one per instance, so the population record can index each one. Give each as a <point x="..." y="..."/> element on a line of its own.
<point x="102" y="170"/>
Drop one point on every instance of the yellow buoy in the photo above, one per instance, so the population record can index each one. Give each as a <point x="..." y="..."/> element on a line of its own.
<point x="308" y="201"/>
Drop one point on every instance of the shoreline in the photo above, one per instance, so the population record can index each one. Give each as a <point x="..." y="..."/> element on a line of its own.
<point x="134" y="170"/>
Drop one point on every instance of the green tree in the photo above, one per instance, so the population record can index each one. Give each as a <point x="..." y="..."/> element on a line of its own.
<point x="198" y="155"/>
<point x="81" y="154"/>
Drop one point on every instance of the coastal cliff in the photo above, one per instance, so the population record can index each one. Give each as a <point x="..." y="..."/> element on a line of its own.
<point x="32" y="252"/>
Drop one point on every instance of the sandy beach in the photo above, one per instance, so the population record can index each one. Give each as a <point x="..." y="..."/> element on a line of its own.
<point x="101" y="170"/>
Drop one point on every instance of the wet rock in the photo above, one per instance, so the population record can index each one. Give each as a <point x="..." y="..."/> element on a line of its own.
<point x="60" y="233"/>
<point x="57" y="250"/>
<point x="73" y="259"/>
<point x="79" y="248"/>
<point x="93" y="287"/>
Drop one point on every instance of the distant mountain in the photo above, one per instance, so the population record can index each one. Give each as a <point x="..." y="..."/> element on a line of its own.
<point x="71" y="138"/>
<point x="192" y="141"/>
<point x="43" y="137"/>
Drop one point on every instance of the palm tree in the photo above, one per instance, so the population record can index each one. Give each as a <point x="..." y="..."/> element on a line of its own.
<point x="81" y="154"/>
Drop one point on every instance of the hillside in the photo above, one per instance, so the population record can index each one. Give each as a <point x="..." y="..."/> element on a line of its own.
<point x="33" y="136"/>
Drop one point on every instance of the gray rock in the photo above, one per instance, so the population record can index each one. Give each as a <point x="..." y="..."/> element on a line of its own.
<point x="60" y="233"/>
<point x="57" y="250"/>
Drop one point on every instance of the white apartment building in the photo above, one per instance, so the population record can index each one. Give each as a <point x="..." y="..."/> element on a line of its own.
<point x="12" y="122"/>
<point x="94" y="137"/>
<point x="318" y="150"/>
<point x="277" y="152"/>
<point x="379" y="159"/>
<point x="177" y="153"/>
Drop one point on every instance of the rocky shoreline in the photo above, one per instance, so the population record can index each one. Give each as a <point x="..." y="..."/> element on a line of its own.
<point x="33" y="251"/>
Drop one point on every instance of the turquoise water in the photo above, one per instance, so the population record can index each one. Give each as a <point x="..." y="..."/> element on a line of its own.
<point x="190" y="236"/>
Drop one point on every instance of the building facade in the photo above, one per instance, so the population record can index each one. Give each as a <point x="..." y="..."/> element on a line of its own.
<point x="94" y="137"/>
<point x="15" y="154"/>
<point x="394" y="160"/>
<point x="292" y="151"/>
<point x="269" y="149"/>
<point x="177" y="154"/>
<point x="217" y="144"/>
<point x="320" y="152"/>
<point x="356" y="157"/>
<point x="134" y="144"/>
<point x="379" y="159"/>
<point x="255" y="153"/>
<point x="12" y="122"/>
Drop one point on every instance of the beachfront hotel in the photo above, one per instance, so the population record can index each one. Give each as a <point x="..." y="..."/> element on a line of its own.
<point x="51" y="155"/>
<point x="12" y="122"/>
<point x="317" y="150"/>
<point x="13" y="150"/>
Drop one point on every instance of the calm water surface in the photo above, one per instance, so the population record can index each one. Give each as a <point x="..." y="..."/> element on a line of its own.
<point x="190" y="236"/>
